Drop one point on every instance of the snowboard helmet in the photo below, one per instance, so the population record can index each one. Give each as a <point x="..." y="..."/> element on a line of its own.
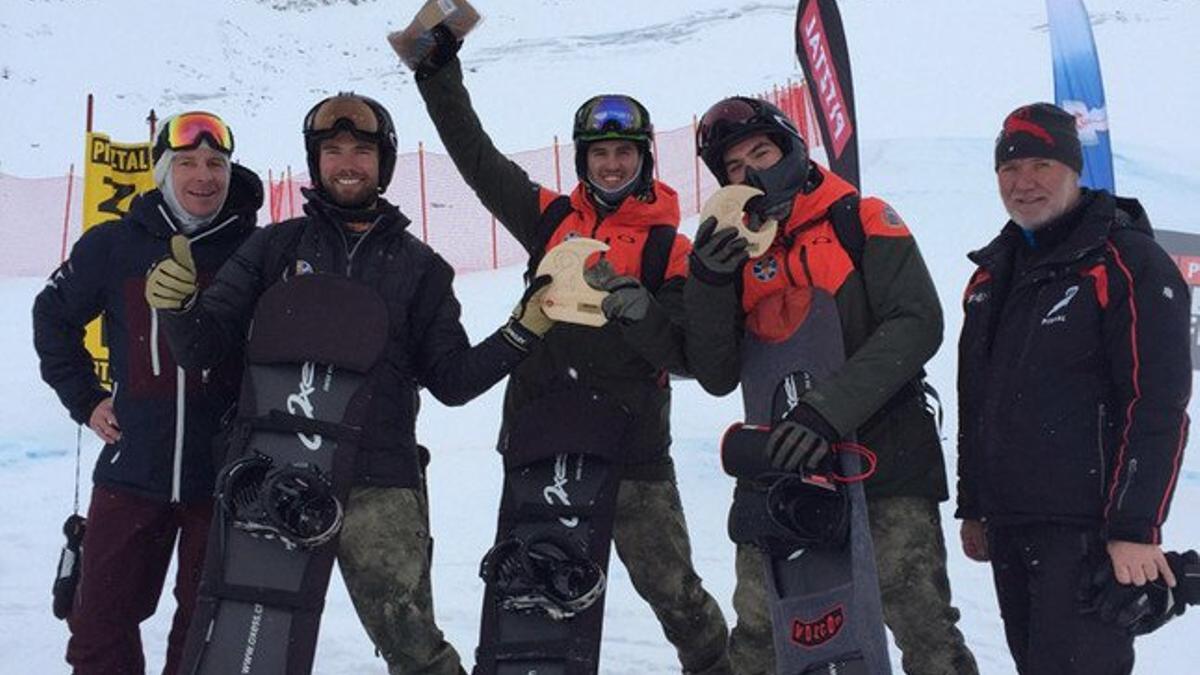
<point x="363" y="117"/>
<point x="610" y="117"/>
<point x="545" y="574"/>
<point x="739" y="117"/>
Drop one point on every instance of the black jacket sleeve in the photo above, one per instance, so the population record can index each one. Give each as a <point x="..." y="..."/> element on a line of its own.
<point x="502" y="185"/>
<point x="446" y="363"/>
<point x="1147" y="338"/>
<point x="659" y="338"/>
<point x="216" y="323"/>
<point x="72" y="298"/>
<point x="713" y="334"/>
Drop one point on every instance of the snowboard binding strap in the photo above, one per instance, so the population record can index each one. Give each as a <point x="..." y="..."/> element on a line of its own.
<point x="294" y="504"/>
<point x="546" y="574"/>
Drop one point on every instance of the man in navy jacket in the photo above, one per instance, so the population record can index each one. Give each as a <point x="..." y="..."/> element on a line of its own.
<point x="154" y="478"/>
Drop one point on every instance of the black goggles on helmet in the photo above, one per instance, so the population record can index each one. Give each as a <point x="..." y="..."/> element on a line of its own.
<point x="727" y="119"/>
<point x="612" y="117"/>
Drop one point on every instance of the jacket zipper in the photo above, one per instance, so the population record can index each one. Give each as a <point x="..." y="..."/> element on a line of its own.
<point x="351" y="251"/>
<point x="180" y="407"/>
<point x="1100" y="414"/>
<point x="155" y="365"/>
<point x="1128" y="481"/>
<point x="116" y="386"/>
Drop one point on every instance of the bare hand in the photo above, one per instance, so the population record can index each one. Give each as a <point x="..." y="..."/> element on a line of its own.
<point x="1137" y="564"/>
<point x="974" y="540"/>
<point x="104" y="422"/>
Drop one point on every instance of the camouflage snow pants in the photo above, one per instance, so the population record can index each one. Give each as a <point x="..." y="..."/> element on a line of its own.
<point x="384" y="558"/>
<point x="651" y="538"/>
<point x="910" y="553"/>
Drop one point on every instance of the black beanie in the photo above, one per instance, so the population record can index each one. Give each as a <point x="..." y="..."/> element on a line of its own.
<point x="1040" y="130"/>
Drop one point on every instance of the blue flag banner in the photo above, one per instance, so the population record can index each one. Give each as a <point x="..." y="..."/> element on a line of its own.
<point x="1078" y="88"/>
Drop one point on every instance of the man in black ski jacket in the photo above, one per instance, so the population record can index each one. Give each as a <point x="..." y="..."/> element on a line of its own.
<point x="1074" y="377"/>
<point x="154" y="478"/>
<point x="350" y="230"/>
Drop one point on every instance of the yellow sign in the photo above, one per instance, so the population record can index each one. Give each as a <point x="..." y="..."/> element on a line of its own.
<point x="113" y="174"/>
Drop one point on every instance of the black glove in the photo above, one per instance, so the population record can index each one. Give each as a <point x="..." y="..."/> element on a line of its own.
<point x="1143" y="609"/>
<point x="717" y="257"/>
<point x="445" y="47"/>
<point x="627" y="301"/>
<point x="801" y="442"/>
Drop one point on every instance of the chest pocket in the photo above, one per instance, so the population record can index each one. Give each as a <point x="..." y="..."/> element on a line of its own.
<point x="811" y="259"/>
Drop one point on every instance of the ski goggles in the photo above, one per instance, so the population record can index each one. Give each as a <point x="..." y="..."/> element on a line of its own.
<point x="188" y="130"/>
<point x="725" y="119"/>
<point x="349" y="113"/>
<point x="613" y="116"/>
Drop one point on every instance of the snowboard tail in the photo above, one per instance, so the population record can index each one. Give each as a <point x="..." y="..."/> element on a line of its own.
<point x="813" y="531"/>
<point x="280" y="499"/>
<point x="560" y="489"/>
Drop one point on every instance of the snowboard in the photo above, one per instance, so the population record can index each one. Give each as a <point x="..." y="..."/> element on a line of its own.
<point x="545" y="579"/>
<point x="280" y="497"/>
<point x="819" y="564"/>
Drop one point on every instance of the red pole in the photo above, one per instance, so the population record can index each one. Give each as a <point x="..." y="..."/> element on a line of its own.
<point x="424" y="210"/>
<point x="271" y="196"/>
<point x="290" y="191"/>
<point x="654" y="142"/>
<point x="89" y="113"/>
<point x="696" y="162"/>
<point x="495" y="251"/>
<point x="152" y="120"/>
<point x="557" y="168"/>
<point x="67" y="212"/>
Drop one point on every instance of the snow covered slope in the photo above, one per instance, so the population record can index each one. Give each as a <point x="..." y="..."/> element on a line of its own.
<point x="933" y="79"/>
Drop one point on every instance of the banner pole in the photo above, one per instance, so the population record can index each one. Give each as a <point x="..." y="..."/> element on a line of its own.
<point x="424" y="210"/>
<point x="67" y="213"/>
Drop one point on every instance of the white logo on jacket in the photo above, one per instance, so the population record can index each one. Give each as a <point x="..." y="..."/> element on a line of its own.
<point x="1053" y="315"/>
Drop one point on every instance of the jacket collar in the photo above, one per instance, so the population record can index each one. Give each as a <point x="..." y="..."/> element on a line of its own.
<point x="661" y="209"/>
<point x="384" y="215"/>
<point x="813" y="205"/>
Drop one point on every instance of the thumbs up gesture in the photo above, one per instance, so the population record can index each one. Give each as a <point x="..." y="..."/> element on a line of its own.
<point x="171" y="282"/>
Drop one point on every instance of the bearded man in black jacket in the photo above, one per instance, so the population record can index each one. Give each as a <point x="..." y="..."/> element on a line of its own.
<point x="350" y="230"/>
<point x="1074" y="377"/>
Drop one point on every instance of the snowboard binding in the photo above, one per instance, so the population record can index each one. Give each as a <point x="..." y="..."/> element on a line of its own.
<point x="545" y="574"/>
<point x="815" y="512"/>
<point x="293" y="504"/>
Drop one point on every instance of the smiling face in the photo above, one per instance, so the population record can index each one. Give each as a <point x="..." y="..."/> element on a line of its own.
<point x="200" y="179"/>
<point x="349" y="170"/>
<point x="1036" y="190"/>
<point x="612" y="164"/>
<point x="756" y="152"/>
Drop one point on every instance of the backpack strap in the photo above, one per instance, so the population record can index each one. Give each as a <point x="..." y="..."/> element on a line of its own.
<point x="552" y="216"/>
<point x="848" y="227"/>
<point x="656" y="256"/>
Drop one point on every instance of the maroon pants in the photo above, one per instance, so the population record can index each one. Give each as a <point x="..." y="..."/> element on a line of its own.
<point x="126" y="551"/>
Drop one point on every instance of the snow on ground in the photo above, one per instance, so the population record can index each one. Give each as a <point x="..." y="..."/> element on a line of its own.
<point x="933" y="79"/>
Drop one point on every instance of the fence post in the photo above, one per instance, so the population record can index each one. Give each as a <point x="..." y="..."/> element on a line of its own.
<point x="271" y="196"/>
<point x="291" y="189"/>
<point x="67" y="212"/>
<point x="421" y="173"/>
<point x="696" y="161"/>
<point x="557" y="168"/>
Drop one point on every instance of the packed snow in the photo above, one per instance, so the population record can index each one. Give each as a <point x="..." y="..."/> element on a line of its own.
<point x="933" y="80"/>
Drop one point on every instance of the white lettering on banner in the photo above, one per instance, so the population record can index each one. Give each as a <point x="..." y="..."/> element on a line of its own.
<point x="300" y="401"/>
<point x="252" y="639"/>
<point x="833" y="105"/>
<point x="557" y="492"/>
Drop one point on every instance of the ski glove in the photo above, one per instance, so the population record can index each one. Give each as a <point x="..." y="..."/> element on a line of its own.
<point x="1143" y="609"/>
<point x="627" y="301"/>
<point x="445" y="47"/>
<point x="801" y="442"/>
<point x="528" y="322"/>
<point x="171" y="282"/>
<point x="717" y="257"/>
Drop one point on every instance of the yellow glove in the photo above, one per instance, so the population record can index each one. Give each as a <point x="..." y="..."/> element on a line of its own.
<point x="528" y="322"/>
<point x="171" y="282"/>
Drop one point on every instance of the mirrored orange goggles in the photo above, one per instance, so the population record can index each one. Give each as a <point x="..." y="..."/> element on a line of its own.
<point x="187" y="130"/>
<point x="355" y="112"/>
